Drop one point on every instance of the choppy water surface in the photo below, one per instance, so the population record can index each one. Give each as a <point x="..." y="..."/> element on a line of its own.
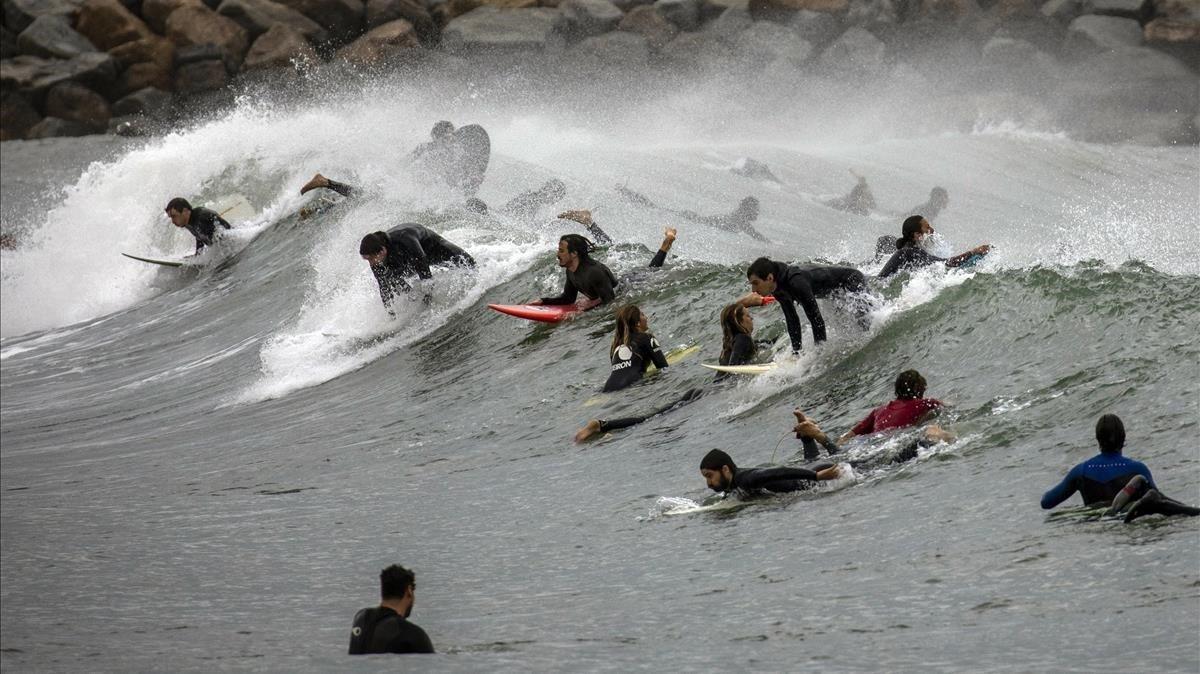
<point x="205" y="470"/>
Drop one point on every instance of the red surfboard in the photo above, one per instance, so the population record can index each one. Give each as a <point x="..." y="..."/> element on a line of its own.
<point x="537" y="312"/>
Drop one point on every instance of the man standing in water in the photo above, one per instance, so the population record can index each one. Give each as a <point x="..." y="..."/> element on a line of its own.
<point x="721" y="474"/>
<point x="407" y="250"/>
<point x="385" y="628"/>
<point x="804" y="284"/>
<point x="201" y="222"/>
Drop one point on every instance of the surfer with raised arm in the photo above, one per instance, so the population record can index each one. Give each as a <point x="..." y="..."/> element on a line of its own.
<point x="585" y="275"/>
<point x="805" y="284"/>
<point x="910" y="255"/>
<point x="721" y="474"/>
<point x="201" y="222"/>
<point x="405" y="251"/>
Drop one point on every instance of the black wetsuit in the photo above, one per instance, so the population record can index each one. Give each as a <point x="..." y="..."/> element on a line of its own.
<point x="752" y="481"/>
<point x="884" y="245"/>
<point x="912" y="256"/>
<point x="203" y="225"/>
<point x="741" y="351"/>
<point x="341" y="188"/>
<point x="804" y="285"/>
<point x="607" y="425"/>
<point x="411" y="249"/>
<point x="592" y="278"/>
<point x="381" y="630"/>
<point x="859" y="201"/>
<point x="629" y="362"/>
<point x="460" y="159"/>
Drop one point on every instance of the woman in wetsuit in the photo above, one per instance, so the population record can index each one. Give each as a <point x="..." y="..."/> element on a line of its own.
<point x="910" y="255"/>
<point x="633" y="349"/>
<point x="737" y="346"/>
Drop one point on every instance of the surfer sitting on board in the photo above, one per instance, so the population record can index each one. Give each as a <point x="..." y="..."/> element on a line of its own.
<point x="910" y="255"/>
<point x="722" y="474"/>
<point x="385" y="628"/>
<point x="407" y="250"/>
<point x="201" y="222"/>
<point x="804" y="284"/>
<point x="1110" y="478"/>
<point x="910" y="408"/>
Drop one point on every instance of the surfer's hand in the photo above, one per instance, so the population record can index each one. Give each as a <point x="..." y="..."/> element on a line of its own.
<point x="831" y="473"/>
<point x="669" y="234"/>
<point x="751" y="299"/>
<point x="808" y="429"/>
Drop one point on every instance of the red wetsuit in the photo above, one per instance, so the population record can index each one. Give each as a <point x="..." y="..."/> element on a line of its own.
<point x="896" y="414"/>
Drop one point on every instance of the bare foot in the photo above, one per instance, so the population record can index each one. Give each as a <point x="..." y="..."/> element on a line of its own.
<point x="582" y="216"/>
<point x="592" y="428"/>
<point x="318" y="180"/>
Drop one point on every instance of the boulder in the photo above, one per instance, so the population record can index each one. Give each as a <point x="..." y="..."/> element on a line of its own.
<point x="391" y="40"/>
<point x="198" y="52"/>
<point x="619" y="49"/>
<point x="711" y="9"/>
<point x="342" y="18"/>
<point x="579" y="19"/>
<point x="18" y="14"/>
<point x="456" y="8"/>
<point x="155" y="12"/>
<point x="489" y="29"/>
<point x="142" y="75"/>
<point x="1176" y="9"/>
<point x="623" y="5"/>
<point x="201" y="76"/>
<point x="191" y="25"/>
<point x="685" y="14"/>
<point x="697" y="51"/>
<point x="856" y="50"/>
<point x="1131" y="9"/>
<point x="17" y="116"/>
<point x="278" y="47"/>
<point x="74" y="102"/>
<point x="1063" y="11"/>
<point x="8" y="44"/>
<point x="648" y="23"/>
<point x="1172" y="31"/>
<point x="154" y="49"/>
<point x="380" y="12"/>
<point x="782" y="10"/>
<point x="948" y="10"/>
<point x="1136" y="79"/>
<point x="1017" y="64"/>
<point x="256" y="16"/>
<point x="1092" y="34"/>
<point x="108" y="23"/>
<point x="53" y="127"/>
<point x="96" y="70"/>
<point x="872" y="13"/>
<point x="766" y="42"/>
<point x="730" y="24"/>
<point x="148" y="101"/>
<point x="51" y="35"/>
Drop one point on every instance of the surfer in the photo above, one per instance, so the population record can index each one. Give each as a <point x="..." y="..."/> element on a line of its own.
<point x="910" y="255"/>
<point x="526" y="204"/>
<point x="738" y="221"/>
<point x="596" y="426"/>
<point x="585" y="275"/>
<point x="721" y="474"/>
<point x="458" y="156"/>
<point x="939" y="198"/>
<point x="804" y="284"/>
<point x="404" y="251"/>
<point x="859" y="201"/>
<point x="737" y="342"/>
<point x="385" y="628"/>
<point x="910" y="408"/>
<point x="320" y="181"/>
<point x="633" y="349"/>
<point x="1110" y="477"/>
<point x="201" y="222"/>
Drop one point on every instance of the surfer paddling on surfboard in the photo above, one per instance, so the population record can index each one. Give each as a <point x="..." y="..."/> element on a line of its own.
<point x="201" y="222"/>
<point x="721" y="474"/>
<point x="405" y="251"/>
<point x="805" y="284"/>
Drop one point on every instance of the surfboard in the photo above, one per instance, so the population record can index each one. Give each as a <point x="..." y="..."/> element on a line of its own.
<point x="537" y="312"/>
<point x="741" y="369"/>
<point x="164" y="263"/>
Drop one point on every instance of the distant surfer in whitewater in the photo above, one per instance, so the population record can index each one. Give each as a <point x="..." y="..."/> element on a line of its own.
<point x="860" y="200"/>
<point x="911" y="255"/>
<point x="805" y="284"/>
<point x="458" y="156"/>
<point x="201" y="222"/>
<point x="405" y="251"/>
<point x="738" y="221"/>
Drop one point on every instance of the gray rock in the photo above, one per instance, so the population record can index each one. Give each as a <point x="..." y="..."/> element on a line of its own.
<point x="51" y="35"/>
<point x="53" y="127"/>
<point x="817" y="28"/>
<point x="857" y="50"/>
<point x="201" y="76"/>
<point x="619" y="49"/>
<point x="1092" y="34"/>
<point x="281" y="46"/>
<point x="697" y="51"/>
<point x="685" y="14"/>
<point x="1135" y="79"/>
<point x="491" y="29"/>
<point x="872" y="13"/>
<point x="17" y="116"/>
<point x="148" y="101"/>
<point x="343" y="19"/>
<point x="96" y="70"/>
<point x="648" y="23"/>
<point x="8" y="44"/>
<point x="626" y="5"/>
<point x="1062" y="10"/>
<point x="1132" y="9"/>
<point x="380" y="12"/>
<point x="257" y="16"/>
<point x="197" y="52"/>
<point x="74" y="102"/>
<point x="730" y="24"/>
<point x="18" y="14"/>
<point x="766" y="42"/>
<point x="579" y="19"/>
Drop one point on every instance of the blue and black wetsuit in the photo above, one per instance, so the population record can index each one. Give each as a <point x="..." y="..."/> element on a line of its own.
<point x="1098" y="480"/>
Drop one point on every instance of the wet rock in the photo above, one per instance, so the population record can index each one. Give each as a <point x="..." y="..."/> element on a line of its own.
<point x="141" y="75"/>
<point x="685" y="14"/>
<point x="579" y="19"/>
<point x="148" y="62"/>
<point x="198" y="52"/>
<point x="616" y="50"/>
<point x="490" y="29"/>
<point x="17" y="116"/>
<point x="817" y="28"/>
<point x="391" y="40"/>
<point x="872" y="13"/>
<point x="18" y="14"/>
<point x="1176" y="9"/>
<point x="1135" y="79"/>
<point x="191" y="26"/>
<point x="948" y="10"/>
<point x="783" y="10"/>
<point x="108" y="23"/>
<point x="766" y="42"/>
<point x="201" y="76"/>
<point x="380" y="12"/>
<point x="52" y="36"/>
<point x="730" y="24"/>
<point x="53" y="127"/>
<point x="1172" y="31"/>
<point x="35" y="75"/>
<point x="343" y="19"/>
<point x="1063" y="11"/>
<point x="74" y="102"/>
<point x="626" y="5"/>
<point x="856" y="51"/>
<point x="147" y="101"/>
<point x="155" y="12"/>
<point x="257" y="16"/>
<point x="280" y="46"/>
<point x="649" y="24"/>
<point x="1093" y="34"/>
<point x="8" y="44"/>
<point x="1131" y="9"/>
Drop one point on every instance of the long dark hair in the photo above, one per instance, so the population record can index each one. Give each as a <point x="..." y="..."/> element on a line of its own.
<point x="627" y="326"/>
<point x="731" y="326"/>
<point x="909" y="231"/>
<point x="578" y="245"/>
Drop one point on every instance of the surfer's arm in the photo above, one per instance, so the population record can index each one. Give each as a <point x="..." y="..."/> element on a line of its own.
<point x="1062" y="491"/>
<point x="661" y="256"/>
<point x="793" y="322"/>
<point x="813" y="312"/>
<point x="655" y="354"/>
<point x="958" y="260"/>
<point x="420" y="260"/>
<point x="568" y="296"/>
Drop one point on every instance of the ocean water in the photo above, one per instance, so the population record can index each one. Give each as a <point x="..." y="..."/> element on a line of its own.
<point x="204" y="469"/>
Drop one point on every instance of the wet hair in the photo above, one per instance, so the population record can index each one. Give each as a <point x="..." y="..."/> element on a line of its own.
<point x="716" y="460"/>
<point x="909" y="231"/>
<point x="394" y="582"/>
<point x="910" y="385"/>
<point x="761" y="268"/>
<point x="627" y="326"/>
<point x="578" y="245"/>
<point x="731" y="327"/>
<point x="1110" y="433"/>
<point x="476" y="205"/>
<point x="373" y="243"/>
<point x="441" y="129"/>
<point x="179" y="205"/>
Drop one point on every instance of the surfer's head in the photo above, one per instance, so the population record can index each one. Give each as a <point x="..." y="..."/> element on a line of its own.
<point x="630" y="321"/>
<point x="910" y="385"/>
<point x="735" y="320"/>
<point x="747" y="210"/>
<point x="441" y="130"/>
<point x="717" y="470"/>
<point x="572" y="250"/>
<point x="1110" y="433"/>
<point x="915" y="228"/>
<point x="373" y="248"/>
<point x="179" y="211"/>
<point x="939" y="197"/>
<point x="761" y="275"/>
<point x="396" y="585"/>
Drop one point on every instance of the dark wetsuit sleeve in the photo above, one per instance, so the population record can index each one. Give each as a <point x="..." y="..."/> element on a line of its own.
<point x="652" y="352"/>
<point x="569" y="294"/>
<point x="606" y="289"/>
<point x="788" y="307"/>
<point x="659" y="258"/>
<point x="416" y="253"/>
<point x="763" y="477"/>
<point x="959" y="259"/>
<point x="341" y="188"/>
<point x="742" y="351"/>
<point x="809" y="302"/>
<point x="599" y="235"/>
<point x="389" y="283"/>
<point x="893" y="264"/>
<point x="1063" y="490"/>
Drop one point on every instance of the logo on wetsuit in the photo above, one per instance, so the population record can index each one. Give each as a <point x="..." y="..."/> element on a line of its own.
<point x="624" y="356"/>
<point x="356" y="631"/>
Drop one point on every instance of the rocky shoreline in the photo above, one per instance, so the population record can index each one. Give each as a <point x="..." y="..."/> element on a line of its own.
<point x="1110" y="70"/>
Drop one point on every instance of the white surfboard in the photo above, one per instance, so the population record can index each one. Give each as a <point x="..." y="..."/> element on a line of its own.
<point x="742" y="369"/>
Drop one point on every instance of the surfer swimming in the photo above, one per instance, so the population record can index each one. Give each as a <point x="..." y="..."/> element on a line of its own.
<point x="201" y="222"/>
<point x="385" y="628"/>
<point x="596" y="426"/>
<point x="1111" y="478"/>
<point x="458" y="156"/>
<point x="804" y="284"/>
<point x="738" y="221"/>
<point x="721" y="474"/>
<point x="939" y="199"/>
<point x="910" y="255"/>
<point x="320" y="181"/>
<point x="405" y="251"/>
<point x="859" y="201"/>
<point x="526" y="204"/>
